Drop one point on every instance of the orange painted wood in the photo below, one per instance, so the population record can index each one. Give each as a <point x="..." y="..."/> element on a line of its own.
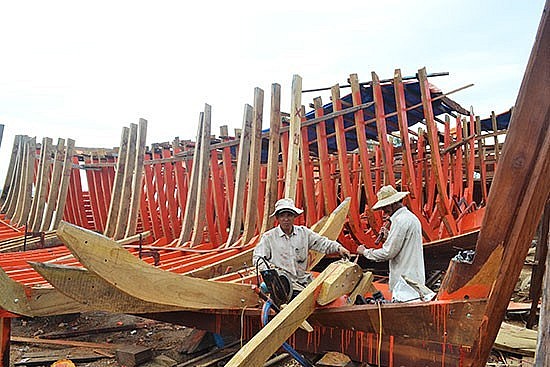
<point x="389" y="177"/>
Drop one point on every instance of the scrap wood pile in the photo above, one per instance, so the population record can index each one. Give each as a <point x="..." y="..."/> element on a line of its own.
<point x="204" y="206"/>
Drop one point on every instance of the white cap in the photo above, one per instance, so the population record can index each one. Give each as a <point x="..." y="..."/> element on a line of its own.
<point x="286" y="204"/>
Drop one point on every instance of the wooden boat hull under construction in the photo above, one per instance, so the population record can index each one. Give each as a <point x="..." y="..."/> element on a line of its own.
<point x="442" y="336"/>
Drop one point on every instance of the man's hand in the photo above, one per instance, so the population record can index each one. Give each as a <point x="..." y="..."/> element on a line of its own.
<point x="361" y="250"/>
<point x="344" y="252"/>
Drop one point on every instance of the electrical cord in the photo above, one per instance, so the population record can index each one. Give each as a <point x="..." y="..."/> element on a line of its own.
<point x="297" y="356"/>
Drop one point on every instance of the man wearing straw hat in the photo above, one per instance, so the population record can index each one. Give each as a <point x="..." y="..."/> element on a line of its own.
<point x="403" y="245"/>
<point x="286" y="246"/>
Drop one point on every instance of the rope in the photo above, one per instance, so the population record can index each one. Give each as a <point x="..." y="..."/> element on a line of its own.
<point x="380" y="332"/>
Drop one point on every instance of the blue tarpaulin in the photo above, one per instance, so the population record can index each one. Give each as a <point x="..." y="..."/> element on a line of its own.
<point x="412" y="96"/>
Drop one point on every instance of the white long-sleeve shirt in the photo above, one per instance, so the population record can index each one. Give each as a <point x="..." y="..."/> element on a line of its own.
<point x="290" y="253"/>
<point x="403" y="248"/>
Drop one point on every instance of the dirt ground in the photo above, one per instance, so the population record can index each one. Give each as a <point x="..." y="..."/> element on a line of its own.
<point x="166" y="340"/>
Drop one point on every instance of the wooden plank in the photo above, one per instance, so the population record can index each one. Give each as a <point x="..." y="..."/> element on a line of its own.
<point x="203" y="171"/>
<point x="522" y="180"/>
<point x="329" y="194"/>
<point x="161" y="193"/>
<point x="25" y="197"/>
<point x="39" y="200"/>
<point x="308" y="181"/>
<point x="291" y="179"/>
<point x="5" y="332"/>
<point x="11" y="201"/>
<point x="100" y="255"/>
<point x="330" y="230"/>
<point x="517" y="340"/>
<point x="472" y="158"/>
<point x="375" y="221"/>
<point x="137" y="179"/>
<point x="240" y="180"/>
<point x="481" y="158"/>
<point x="272" y="158"/>
<point x="435" y="157"/>
<point x="538" y="269"/>
<point x="252" y="201"/>
<point x="364" y="286"/>
<point x="74" y="343"/>
<point x="94" y="292"/>
<point x="496" y="143"/>
<point x="64" y="184"/>
<point x="8" y="182"/>
<point x="26" y="301"/>
<point x="286" y="322"/>
<point x="408" y="181"/>
<point x="190" y="205"/>
<point x="345" y="183"/>
<point x="542" y="355"/>
<point x="116" y="192"/>
<point x="133" y="355"/>
<point x="389" y="177"/>
<point x="152" y="202"/>
<point x="338" y="283"/>
<point x="126" y="195"/>
<point x="218" y="194"/>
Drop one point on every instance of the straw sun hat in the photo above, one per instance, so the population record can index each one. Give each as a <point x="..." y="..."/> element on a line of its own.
<point x="286" y="204"/>
<point x="388" y="195"/>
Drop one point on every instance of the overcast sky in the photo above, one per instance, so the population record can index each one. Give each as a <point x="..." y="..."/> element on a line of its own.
<point x="85" y="69"/>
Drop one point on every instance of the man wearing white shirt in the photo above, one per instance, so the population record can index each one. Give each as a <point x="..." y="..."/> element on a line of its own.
<point x="403" y="245"/>
<point x="286" y="246"/>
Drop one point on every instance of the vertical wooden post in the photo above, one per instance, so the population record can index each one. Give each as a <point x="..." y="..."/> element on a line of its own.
<point x="538" y="269"/>
<point x="11" y="170"/>
<point x="482" y="165"/>
<point x="242" y="173"/>
<point x="355" y="222"/>
<point x="389" y="177"/>
<point x="251" y="218"/>
<point x="162" y="201"/>
<point x="39" y="200"/>
<point x="5" y="333"/>
<point x="64" y="185"/>
<point x="203" y="172"/>
<point x="137" y="179"/>
<point x="27" y="179"/>
<point x="294" y="138"/>
<point x="375" y="220"/>
<point x="54" y="185"/>
<point x="272" y="158"/>
<point x="218" y="195"/>
<point x="329" y="195"/>
<point x="114" y="207"/>
<point x="435" y="157"/>
<point x="126" y="188"/>
<point x="542" y="355"/>
<point x="458" y="167"/>
<point x="152" y="200"/>
<point x="307" y="175"/>
<point x="408" y="182"/>
<point x="497" y="146"/>
<point x="11" y="200"/>
<point x="190" y="205"/>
